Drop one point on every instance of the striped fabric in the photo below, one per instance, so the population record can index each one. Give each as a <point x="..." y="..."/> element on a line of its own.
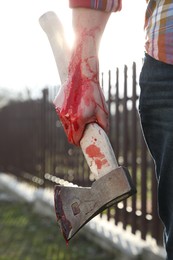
<point x="103" y="5"/>
<point x="159" y="30"/>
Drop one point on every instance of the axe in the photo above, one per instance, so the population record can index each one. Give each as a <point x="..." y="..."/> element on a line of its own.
<point x="75" y="206"/>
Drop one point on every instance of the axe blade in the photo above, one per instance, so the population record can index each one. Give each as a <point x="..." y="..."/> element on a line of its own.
<point x="75" y="206"/>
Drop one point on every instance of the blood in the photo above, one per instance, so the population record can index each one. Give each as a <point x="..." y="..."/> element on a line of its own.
<point x="63" y="222"/>
<point x="83" y="101"/>
<point x="98" y="157"/>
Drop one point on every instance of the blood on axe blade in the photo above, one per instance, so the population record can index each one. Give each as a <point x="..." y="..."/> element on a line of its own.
<point x="75" y="206"/>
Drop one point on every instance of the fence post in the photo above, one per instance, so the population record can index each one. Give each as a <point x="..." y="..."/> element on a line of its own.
<point x="134" y="137"/>
<point x="43" y="126"/>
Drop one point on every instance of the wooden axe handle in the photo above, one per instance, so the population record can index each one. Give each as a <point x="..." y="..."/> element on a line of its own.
<point x="95" y="144"/>
<point x="53" y="28"/>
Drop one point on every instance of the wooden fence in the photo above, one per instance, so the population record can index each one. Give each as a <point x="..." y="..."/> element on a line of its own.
<point x="34" y="147"/>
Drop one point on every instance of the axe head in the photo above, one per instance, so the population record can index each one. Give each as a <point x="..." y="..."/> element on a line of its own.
<point x="75" y="206"/>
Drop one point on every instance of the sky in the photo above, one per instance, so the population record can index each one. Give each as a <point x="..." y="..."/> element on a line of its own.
<point x="26" y="59"/>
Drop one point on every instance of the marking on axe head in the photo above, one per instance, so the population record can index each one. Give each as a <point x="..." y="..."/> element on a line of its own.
<point x="75" y="208"/>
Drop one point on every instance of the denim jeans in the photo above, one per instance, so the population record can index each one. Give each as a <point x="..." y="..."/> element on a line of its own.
<point x="156" y="113"/>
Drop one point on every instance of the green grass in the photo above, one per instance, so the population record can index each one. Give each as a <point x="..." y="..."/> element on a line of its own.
<point x="24" y="235"/>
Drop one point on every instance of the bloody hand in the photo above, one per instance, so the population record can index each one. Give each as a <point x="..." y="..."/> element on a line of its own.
<point x="80" y="100"/>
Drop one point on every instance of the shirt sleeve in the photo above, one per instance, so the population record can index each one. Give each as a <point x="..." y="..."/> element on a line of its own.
<point x="102" y="5"/>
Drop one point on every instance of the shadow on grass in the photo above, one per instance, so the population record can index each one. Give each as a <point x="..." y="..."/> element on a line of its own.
<point x="25" y="235"/>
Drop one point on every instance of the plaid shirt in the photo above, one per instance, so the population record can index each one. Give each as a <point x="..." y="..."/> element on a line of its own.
<point x="158" y="24"/>
<point x="159" y="30"/>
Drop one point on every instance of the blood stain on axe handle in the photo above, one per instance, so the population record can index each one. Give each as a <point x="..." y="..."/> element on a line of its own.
<point x="96" y="155"/>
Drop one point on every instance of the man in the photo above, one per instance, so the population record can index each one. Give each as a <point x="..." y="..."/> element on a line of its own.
<point x="82" y="103"/>
<point x="156" y="106"/>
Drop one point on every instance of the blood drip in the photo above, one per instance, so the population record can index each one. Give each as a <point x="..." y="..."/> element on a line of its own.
<point x="81" y="100"/>
<point x="63" y="222"/>
<point x="96" y="155"/>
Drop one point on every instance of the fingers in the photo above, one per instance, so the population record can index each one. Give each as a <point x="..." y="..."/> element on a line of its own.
<point x="75" y="123"/>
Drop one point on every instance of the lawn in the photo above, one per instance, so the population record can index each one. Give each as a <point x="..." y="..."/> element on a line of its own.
<point x="24" y="235"/>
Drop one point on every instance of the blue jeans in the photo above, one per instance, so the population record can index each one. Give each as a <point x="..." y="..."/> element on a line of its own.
<point x="156" y="113"/>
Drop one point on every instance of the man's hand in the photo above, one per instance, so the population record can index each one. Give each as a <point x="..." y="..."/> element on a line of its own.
<point x="80" y="100"/>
